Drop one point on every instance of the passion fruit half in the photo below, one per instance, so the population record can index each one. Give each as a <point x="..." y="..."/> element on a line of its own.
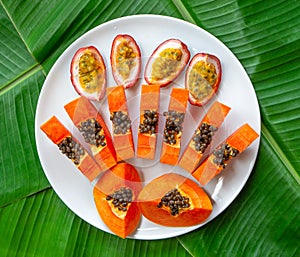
<point x="203" y="77"/>
<point x="88" y="73"/>
<point x="125" y="59"/>
<point x="166" y="62"/>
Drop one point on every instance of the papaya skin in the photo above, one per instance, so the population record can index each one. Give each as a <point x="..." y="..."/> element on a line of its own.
<point x="122" y="175"/>
<point x="240" y="140"/>
<point x="149" y="198"/>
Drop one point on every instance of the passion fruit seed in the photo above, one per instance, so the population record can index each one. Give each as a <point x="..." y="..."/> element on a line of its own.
<point x="91" y="131"/>
<point x="71" y="149"/>
<point x="203" y="136"/>
<point x="149" y="123"/>
<point x="175" y="201"/>
<point x="121" y="198"/>
<point x="166" y="64"/>
<point x="223" y="153"/>
<point x="121" y="122"/>
<point x="173" y="126"/>
<point x="125" y="59"/>
<point x="89" y="72"/>
<point x="202" y="79"/>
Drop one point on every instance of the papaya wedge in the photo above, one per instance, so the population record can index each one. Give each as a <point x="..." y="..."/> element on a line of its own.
<point x="174" y="200"/>
<point x="203" y="136"/>
<point x="217" y="161"/>
<point x="91" y="124"/>
<point x="71" y="147"/>
<point x="149" y="117"/>
<point x="115" y="196"/>
<point x="174" y="126"/>
<point x="121" y="123"/>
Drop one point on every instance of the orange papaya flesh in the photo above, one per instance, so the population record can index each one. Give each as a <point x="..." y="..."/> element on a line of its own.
<point x="193" y="207"/>
<point x="121" y="217"/>
<point x="122" y="136"/>
<point x="197" y="145"/>
<point x="57" y="133"/>
<point x="147" y="133"/>
<point x="217" y="161"/>
<point x="82" y="111"/>
<point x="170" y="149"/>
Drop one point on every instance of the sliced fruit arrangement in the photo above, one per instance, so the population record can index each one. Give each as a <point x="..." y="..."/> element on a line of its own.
<point x="71" y="148"/>
<point x="174" y="126"/>
<point x="203" y="136"/>
<point x="166" y="62"/>
<point x="174" y="200"/>
<point x="121" y="122"/>
<point x="115" y="196"/>
<point x="203" y="77"/>
<point x="88" y="73"/>
<point x="94" y="130"/>
<point x="217" y="161"/>
<point x="149" y="117"/>
<point x="125" y="59"/>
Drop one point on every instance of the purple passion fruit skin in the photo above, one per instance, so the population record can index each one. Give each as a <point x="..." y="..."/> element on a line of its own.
<point x="203" y="77"/>
<point x="88" y="73"/>
<point x="125" y="59"/>
<point x="166" y="62"/>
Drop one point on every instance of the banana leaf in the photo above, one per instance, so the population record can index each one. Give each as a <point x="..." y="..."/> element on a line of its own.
<point x="264" y="220"/>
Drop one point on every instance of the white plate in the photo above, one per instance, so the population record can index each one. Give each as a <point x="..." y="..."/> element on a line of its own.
<point x="235" y="91"/>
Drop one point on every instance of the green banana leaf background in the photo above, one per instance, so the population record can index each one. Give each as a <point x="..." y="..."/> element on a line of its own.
<point x="264" y="220"/>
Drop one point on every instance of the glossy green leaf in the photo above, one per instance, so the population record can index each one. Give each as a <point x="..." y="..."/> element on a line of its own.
<point x="262" y="221"/>
<point x="21" y="172"/>
<point x="15" y="59"/>
<point x="41" y="225"/>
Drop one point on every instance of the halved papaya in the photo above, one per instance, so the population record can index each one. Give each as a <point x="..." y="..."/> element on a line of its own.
<point x="174" y="126"/>
<point x="115" y="196"/>
<point x="149" y="117"/>
<point x="71" y="147"/>
<point x="203" y="136"/>
<point x="217" y="161"/>
<point x="92" y="126"/>
<point x="174" y="200"/>
<point x="121" y="122"/>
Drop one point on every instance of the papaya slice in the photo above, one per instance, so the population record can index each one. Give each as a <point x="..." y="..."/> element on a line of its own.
<point x="203" y="136"/>
<point x="94" y="130"/>
<point x="115" y="196"/>
<point x="121" y="122"/>
<point x="217" y="161"/>
<point x="174" y="200"/>
<point x="149" y="117"/>
<point x="71" y="147"/>
<point x="174" y="126"/>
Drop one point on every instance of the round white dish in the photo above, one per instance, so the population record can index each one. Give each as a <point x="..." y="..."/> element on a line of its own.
<point x="149" y="31"/>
